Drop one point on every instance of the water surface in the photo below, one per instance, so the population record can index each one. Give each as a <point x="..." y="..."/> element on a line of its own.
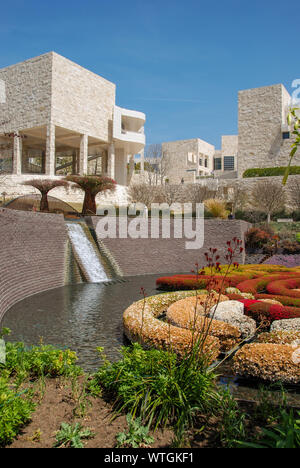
<point x="79" y="316"/>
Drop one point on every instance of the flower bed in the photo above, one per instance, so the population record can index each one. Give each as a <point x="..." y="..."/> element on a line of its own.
<point x="267" y="361"/>
<point x="142" y="325"/>
<point x="286" y="287"/>
<point x="264" y="311"/>
<point x="279" y="337"/>
<point x="248" y="278"/>
<point x="257" y="285"/>
<point x="189" y="313"/>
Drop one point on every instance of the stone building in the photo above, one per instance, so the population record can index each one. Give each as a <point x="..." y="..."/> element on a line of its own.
<point x="57" y="118"/>
<point x="191" y="160"/>
<point x="263" y="140"/>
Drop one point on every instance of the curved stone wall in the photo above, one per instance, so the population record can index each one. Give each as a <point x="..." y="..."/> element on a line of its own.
<point x="153" y="256"/>
<point x="32" y="255"/>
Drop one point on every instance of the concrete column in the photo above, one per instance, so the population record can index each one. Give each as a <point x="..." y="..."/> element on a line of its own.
<point x="50" y="150"/>
<point x="83" y="155"/>
<point x="142" y="160"/>
<point x="131" y="167"/>
<point x="17" y="155"/>
<point x="111" y="170"/>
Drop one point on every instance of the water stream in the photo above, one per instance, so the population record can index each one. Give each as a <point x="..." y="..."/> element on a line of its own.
<point x="86" y="254"/>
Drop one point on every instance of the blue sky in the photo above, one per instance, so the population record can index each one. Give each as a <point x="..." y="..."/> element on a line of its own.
<point x="180" y="62"/>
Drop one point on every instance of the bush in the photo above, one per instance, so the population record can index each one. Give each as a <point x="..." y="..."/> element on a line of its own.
<point x="15" y="411"/>
<point x="40" y="360"/>
<point x="259" y="285"/>
<point x="154" y="385"/>
<point x="270" y="171"/>
<point x="217" y="208"/>
<point x="264" y="311"/>
<point x="285" y="287"/>
<point x="252" y="216"/>
<point x="285" y="300"/>
<point x="290" y="247"/>
<point x="256" y="238"/>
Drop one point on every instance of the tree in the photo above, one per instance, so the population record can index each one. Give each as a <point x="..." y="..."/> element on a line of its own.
<point x="92" y="185"/>
<point x="269" y="197"/>
<point x="145" y="194"/>
<point x="293" y="121"/>
<point x="237" y="197"/>
<point x="156" y="164"/>
<point x="44" y="186"/>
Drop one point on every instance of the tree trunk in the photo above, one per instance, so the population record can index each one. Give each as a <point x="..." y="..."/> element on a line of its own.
<point x="89" y="203"/>
<point x="269" y="218"/>
<point x="44" y="206"/>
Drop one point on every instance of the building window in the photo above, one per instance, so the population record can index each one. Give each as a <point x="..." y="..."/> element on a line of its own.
<point x="217" y="164"/>
<point x="285" y="135"/>
<point x="200" y="161"/>
<point x="228" y="163"/>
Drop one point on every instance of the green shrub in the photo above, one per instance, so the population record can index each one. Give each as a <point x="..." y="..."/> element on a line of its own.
<point x="270" y="171"/>
<point x="36" y="361"/>
<point x="154" y="385"/>
<point x="15" y="411"/>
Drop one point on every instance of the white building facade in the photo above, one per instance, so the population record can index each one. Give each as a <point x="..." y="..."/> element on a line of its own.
<point x="57" y="118"/>
<point x="264" y="140"/>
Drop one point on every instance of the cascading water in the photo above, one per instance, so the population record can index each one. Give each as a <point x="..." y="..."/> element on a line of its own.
<point x="86" y="254"/>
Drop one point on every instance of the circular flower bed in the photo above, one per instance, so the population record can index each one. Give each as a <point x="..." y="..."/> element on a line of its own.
<point x="285" y="287"/>
<point x="267" y="361"/>
<point x="279" y="337"/>
<point x="141" y="324"/>
<point x="189" y="313"/>
<point x="269" y="298"/>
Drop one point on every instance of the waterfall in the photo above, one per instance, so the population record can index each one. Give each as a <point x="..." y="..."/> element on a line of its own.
<point x="86" y="254"/>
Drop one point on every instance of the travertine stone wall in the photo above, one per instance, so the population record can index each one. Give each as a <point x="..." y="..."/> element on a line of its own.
<point x="51" y="88"/>
<point x="81" y="100"/>
<point x="183" y="156"/>
<point x="32" y="255"/>
<point x="12" y="186"/>
<point x="150" y="256"/>
<point x="28" y="94"/>
<point x="262" y="113"/>
<point x="248" y="184"/>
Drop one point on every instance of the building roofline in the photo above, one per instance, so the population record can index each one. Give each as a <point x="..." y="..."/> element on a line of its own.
<point x="53" y="54"/>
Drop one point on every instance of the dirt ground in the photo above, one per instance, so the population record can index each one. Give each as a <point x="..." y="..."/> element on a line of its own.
<point x="56" y="404"/>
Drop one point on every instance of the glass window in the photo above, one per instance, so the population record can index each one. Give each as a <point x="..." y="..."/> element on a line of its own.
<point x="217" y="164"/>
<point x="285" y="135"/>
<point x="228" y="163"/>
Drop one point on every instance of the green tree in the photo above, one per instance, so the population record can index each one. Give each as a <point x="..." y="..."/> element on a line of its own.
<point x="293" y="121"/>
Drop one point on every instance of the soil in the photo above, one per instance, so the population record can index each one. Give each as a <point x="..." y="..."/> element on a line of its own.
<point x="56" y="404"/>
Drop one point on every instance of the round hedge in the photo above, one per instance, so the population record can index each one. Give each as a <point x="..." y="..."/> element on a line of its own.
<point x="267" y="361"/>
<point x="285" y="287"/>
<point x="190" y="314"/>
<point x="142" y="325"/>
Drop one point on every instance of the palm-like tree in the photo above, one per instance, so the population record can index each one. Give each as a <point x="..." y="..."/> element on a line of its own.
<point x="91" y="185"/>
<point x="44" y="186"/>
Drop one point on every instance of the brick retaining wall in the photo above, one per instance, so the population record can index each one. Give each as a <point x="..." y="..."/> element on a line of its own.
<point x="151" y="256"/>
<point x="32" y="255"/>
